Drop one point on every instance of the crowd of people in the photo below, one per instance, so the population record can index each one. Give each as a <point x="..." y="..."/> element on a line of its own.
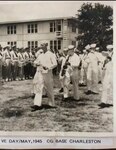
<point x="89" y="67"/>
<point x="16" y="64"/>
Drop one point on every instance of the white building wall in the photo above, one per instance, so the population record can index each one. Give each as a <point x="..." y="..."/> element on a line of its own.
<point x="22" y="37"/>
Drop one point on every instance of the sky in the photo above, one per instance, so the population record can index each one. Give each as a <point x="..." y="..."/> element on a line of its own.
<point x="23" y="10"/>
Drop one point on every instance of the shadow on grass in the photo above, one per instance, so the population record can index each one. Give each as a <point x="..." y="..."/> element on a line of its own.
<point x="11" y="112"/>
<point x="72" y="103"/>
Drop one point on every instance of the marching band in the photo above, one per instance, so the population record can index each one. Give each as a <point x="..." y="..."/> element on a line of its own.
<point x="87" y="68"/>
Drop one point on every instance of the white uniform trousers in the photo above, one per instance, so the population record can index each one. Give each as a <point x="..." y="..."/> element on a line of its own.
<point x="47" y="83"/>
<point x="107" y="92"/>
<point x="61" y="80"/>
<point x="66" y="83"/>
<point x="75" y="82"/>
<point x="92" y="80"/>
<point x="100" y="72"/>
<point x="83" y="76"/>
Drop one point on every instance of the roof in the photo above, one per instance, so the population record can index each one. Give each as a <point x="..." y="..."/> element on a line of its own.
<point x="38" y="20"/>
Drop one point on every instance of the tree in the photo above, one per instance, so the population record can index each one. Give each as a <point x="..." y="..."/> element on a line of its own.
<point x="95" y="25"/>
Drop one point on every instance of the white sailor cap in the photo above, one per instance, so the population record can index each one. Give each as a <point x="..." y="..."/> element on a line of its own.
<point x="70" y="47"/>
<point x="44" y="43"/>
<point x="97" y="48"/>
<point x="65" y="49"/>
<point x="93" y="45"/>
<point x="109" y="46"/>
<point x="84" y="50"/>
<point x="76" y="50"/>
<point x="41" y="51"/>
<point x="7" y="47"/>
<point x="87" y="47"/>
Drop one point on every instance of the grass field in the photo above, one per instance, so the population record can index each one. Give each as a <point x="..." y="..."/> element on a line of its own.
<point x="80" y="116"/>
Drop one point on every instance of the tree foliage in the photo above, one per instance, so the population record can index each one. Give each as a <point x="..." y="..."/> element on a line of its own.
<point x="95" y="25"/>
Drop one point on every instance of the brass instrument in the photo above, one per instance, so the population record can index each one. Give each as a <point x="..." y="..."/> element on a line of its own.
<point x="65" y="66"/>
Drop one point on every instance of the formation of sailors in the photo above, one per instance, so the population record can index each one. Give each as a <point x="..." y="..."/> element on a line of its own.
<point x="16" y="63"/>
<point x="88" y="68"/>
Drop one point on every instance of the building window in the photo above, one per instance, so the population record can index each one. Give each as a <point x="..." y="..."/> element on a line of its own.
<point x="11" y="29"/>
<point x="74" y="29"/>
<point x="74" y="43"/>
<point x="55" y="45"/>
<point x="8" y="43"/>
<point x="36" y="44"/>
<point x="59" y="44"/>
<point x="52" y="27"/>
<point x="32" y="28"/>
<point x="32" y="44"/>
<point x="12" y="43"/>
<point x="28" y="28"/>
<point x="55" y="26"/>
<point x="58" y="25"/>
<point x="51" y="45"/>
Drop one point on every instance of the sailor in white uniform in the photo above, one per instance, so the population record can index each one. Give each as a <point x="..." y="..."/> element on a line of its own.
<point x="107" y="86"/>
<point x="92" y="71"/>
<point x="44" y="78"/>
<point x="72" y="73"/>
<point x="7" y="63"/>
<point x="74" y="61"/>
<point x="100" y="64"/>
<point x="62" y="61"/>
<point x="83" y="71"/>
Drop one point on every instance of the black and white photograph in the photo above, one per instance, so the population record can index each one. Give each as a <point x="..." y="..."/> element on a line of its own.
<point x="56" y="66"/>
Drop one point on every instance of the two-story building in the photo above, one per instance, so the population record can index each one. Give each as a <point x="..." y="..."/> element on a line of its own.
<point x="58" y="32"/>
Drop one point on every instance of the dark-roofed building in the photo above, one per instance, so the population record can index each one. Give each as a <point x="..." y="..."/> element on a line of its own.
<point x="58" y="32"/>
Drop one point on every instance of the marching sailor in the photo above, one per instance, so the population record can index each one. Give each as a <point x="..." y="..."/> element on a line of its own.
<point x="71" y="65"/>
<point x="7" y="63"/>
<point x="92" y="71"/>
<point x="14" y="61"/>
<point x="62" y="60"/>
<point x="100" y="64"/>
<point x="27" y="63"/>
<point x="107" y="87"/>
<point x="74" y="61"/>
<point x="83" y="71"/>
<point x="20" y="64"/>
<point x="44" y="78"/>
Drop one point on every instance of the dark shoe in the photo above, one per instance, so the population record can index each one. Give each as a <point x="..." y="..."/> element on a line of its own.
<point x="61" y="90"/>
<point x="33" y="96"/>
<point x="101" y="104"/>
<point x="44" y="96"/>
<point x="81" y="84"/>
<point x="88" y="92"/>
<point x="36" y="108"/>
<point x="109" y="105"/>
<point x="99" y="82"/>
<point x="66" y="99"/>
<point x="49" y="107"/>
